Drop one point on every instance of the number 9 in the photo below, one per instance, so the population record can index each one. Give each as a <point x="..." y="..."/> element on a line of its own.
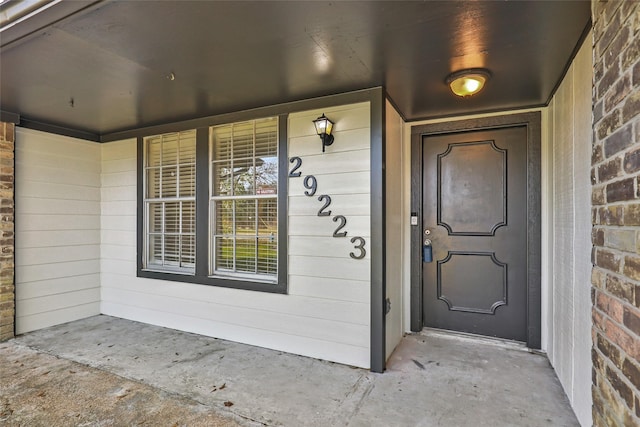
<point x="310" y="183"/>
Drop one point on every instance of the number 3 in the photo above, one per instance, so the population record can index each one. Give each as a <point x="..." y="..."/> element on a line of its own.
<point x="359" y="246"/>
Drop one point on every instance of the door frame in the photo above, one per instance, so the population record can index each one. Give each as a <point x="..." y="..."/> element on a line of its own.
<point x="532" y="121"/>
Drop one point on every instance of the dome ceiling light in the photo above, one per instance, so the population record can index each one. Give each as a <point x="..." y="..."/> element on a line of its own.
<point x="468" y="82"/>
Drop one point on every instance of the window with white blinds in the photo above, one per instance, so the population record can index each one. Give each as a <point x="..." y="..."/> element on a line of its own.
<point x="244" y="199"/>
<point x="169" y="203"/>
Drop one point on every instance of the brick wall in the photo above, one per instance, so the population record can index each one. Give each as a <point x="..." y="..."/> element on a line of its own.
<point x="7" y="288"/>
<point x="616" y="214"/>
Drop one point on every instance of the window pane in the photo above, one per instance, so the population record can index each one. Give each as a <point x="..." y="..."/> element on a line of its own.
<point x="154" y="147"/>
<point x="188" y="251"/>
<point x="243" y="140"/>
<point x="245" y="217"/>
<point x="243" y="177"/>
<point x="267" y="175"/>
<point x="222" y="179"/>
<point x="267" y="138"/>
<point x="224" y="253"/>
<point x="267" y="256"/>
<point x="188" y="217"/>
<point x="155" y="249"/>
<point x="246" y="255"/>
<point x="224" y="217"/>
<point x="169" y="182"/>
<point x="245" y="165"/>
<point x="221" y="137"/>
<point x="170" y="149"/>
<point x="171" y="217"/>
<point x="267" y="217"/>
<point x="187" y="147"/>
<point x="155" y="218"/>
<point x="187" y="180"/>
<point x="171" y="250"/>
<point x="153" y="183"/>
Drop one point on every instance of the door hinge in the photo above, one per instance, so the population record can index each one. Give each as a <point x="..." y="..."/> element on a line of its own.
<point x="387" y="306"/>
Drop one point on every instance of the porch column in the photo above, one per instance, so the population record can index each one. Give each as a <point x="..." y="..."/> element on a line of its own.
<point x="7" y="283"/>
<point x="615" y="177"/>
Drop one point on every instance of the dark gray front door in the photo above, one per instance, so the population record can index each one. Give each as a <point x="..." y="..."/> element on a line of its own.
<point x="474" y="206"/>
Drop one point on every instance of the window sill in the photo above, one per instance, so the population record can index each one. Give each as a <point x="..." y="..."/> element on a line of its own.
<point x="218" y="281"/>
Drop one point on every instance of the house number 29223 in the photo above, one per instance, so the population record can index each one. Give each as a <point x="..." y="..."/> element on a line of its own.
<point x="310" y="182"/>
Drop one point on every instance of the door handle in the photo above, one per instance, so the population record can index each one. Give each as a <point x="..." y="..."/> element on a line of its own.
<point x="427" y="251"/>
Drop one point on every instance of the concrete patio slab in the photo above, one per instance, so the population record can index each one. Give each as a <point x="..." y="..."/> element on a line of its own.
<point x="432" y="379"/>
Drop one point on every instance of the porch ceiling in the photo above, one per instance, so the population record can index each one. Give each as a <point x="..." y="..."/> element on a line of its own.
<point x="115" y="59"/>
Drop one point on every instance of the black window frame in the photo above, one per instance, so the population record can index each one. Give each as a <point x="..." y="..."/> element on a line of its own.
<point x="201" y="275"/>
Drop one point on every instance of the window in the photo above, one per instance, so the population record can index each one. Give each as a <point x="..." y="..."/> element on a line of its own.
<point x="244" y="198"/>
<point x="210" y="209"/>
<point x="170" y="164"/>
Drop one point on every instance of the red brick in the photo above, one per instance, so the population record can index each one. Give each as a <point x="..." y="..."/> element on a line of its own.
<point x="609" y="170"/>
<point x="620" y="190"/>
<point x="631" y="54"/>
<point x="597" y="237"/>
<point x="596" y="153"/>
<point x="626" y="342"/>
<point x="620" y="386"/>
<point x="597" y="196"/>
<point x="611" y="215"/>
<point x="632" y="161"/>
<point x="598" y="319"/>
<point x="607" y="260"/>
<point x="631" y="319"/>
<point x="617" y="93"/>
<point x="631" y="106"/>
<point x="607" y="37"/>
<point x="609" y="351"/>
<point x="608" y="125"/>
<point x="632" y="214"/>
<point x="632" y="372"/>
<point x="632" y="267"/>
<point x="610" y="306"/>
<point x="620" y="289"/>
<point x="618" y="141"/>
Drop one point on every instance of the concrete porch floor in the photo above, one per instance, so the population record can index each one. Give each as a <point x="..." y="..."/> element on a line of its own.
<point x="432" y="379"/>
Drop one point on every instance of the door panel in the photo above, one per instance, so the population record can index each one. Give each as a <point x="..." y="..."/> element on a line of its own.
<point x="474" y="206"/>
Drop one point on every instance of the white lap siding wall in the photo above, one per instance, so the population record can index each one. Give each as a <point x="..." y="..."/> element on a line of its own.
<point x="57" y="236"/>
<point x="327" y="309"/>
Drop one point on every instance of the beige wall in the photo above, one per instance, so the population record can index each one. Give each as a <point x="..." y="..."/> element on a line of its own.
<point x="394" y="231"/>
<point x="57" y="231"/>
<point x="570" y="313"/>
<point x="326" y="313"/>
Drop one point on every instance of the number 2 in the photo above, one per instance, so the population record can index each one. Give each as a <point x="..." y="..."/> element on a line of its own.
<point x="343" y="223"/>
<point x="327" y="202"/>
<point x="294" y="171"/>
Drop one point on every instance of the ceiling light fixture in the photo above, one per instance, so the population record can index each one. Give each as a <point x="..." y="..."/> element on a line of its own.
<point x="468" y="82"/>
<point x="324" y="126"/>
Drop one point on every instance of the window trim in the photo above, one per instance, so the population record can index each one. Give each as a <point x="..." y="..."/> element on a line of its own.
<point x="201" y="275"/>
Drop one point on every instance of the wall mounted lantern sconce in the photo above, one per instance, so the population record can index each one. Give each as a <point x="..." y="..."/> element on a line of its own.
<point x="324" y="126"/>
<point x="468" y="82"/>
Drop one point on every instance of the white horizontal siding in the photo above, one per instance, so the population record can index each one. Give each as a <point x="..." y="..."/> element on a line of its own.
<point x="321" y="246"/>
<point x="327" y="309"/>
<point x="297" y="344"/>
<point x="57" y="229"/>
